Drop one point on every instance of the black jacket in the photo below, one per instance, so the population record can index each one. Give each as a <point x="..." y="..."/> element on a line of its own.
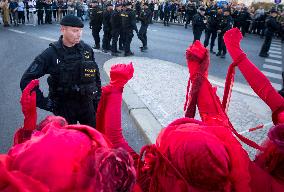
<point x="96" y="17"/>
<point x="198" y="22"/>
<point x="48" y="63"/>
<point x="145" y="16"/>
<point x="225" y="23"/>
<point x="128" y="21"/>
<point x="106" y="20"/>
<point x="115" y="21"/>
<point x="271" y="26"/>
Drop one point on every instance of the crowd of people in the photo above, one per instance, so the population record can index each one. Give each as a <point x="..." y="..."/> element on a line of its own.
<point x="112" y="16"/>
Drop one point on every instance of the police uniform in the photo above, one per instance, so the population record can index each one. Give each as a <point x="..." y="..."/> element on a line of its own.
<point x="224" y="24"/>
<point x="115" y="29"/>
<point x="190" y="12"/>
<point x="74" y="79"/>
<point x="244" y="19"/>
<point x="107" y="29"/>
<point x="198" y="25"/>
<point x="96" y="21"/>
<point x="40" y="9"/>
<point x="211" y="30"/>
<point x="145" y="18"/>
<point x="271" y="27"/>
<point x="128" y="25"/>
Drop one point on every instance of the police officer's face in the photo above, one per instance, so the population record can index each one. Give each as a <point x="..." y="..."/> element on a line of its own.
<point x="71" y="35"/>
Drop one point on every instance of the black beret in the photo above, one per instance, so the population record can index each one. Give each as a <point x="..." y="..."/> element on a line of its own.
<point x="146" y="4"/>
<point x="72" y="21"/>
<point x="118" y="5"/>
<point x="94" y="1"/>
<point x="109" y="5"/>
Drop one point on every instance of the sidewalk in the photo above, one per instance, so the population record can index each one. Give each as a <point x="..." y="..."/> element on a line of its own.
<point x="156" y="94"/>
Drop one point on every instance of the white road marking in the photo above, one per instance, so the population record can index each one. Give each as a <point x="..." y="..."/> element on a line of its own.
<point x="273" y="61"/>
<point x="272" y="75"/>
<point x="246" y="91"/>
<point x="100" y="51"/>
<point x="275" y="52"/>
<point x="276" y="42"/>
<point x="276" y="86"/>
<point x="17" y="31"/>
<point x="276" y="68"/>
<point x="275" y="56"/>
<point x="274" y="45"/>
<point x="47" y="38"/>
<point x="276" y="48"/>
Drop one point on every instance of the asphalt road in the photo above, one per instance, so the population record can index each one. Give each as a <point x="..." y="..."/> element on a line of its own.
<point x="19" y="46"/>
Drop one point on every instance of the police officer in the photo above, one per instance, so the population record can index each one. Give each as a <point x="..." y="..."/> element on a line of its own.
<point x="74" y="79"/>
<point x="244" y="18"/>
<point x="96" y="21"/>
<point x="189" y="12"/>
<point x="198" y="24"/>
<point x="211" y="30"/>
<point x="128" y="25"/>
<point x="107" y="27"/>
<point x="271" y="27"/>
<point x="48" y="12"/>
<point x="115" y="28"/>
<point x="145" y="18"/>
<point x="40" y="9"/>
<point x="122" y="33"/>
<point x="224" y="24"/>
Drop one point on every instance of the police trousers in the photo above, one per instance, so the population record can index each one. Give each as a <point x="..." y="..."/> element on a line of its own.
<point x="115" y="35"/>
<point x="106" y="40"/>
<point x="266" y="45"/>
<point x="221" y="44"/>
<point x="96" y="35"/>
<point x="142" y="35"/>
<point x="82" y="111"/>
<point x="128" y="38"/>
<point x="210" y="33"/>
<point x="197" y="35"/>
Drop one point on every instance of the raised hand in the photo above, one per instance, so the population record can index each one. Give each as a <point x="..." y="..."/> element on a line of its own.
<point x="28" y="102"/>
<point x="120" y="74"/>
<point x="232" y="39"/>
<point x="197" y="59"/>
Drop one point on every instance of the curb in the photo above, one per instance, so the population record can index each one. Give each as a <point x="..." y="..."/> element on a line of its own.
<point x="144" y="119"/>
<point x="170" y="23"/>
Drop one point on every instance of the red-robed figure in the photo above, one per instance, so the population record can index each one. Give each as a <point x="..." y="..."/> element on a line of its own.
<point x="189" y="155"/>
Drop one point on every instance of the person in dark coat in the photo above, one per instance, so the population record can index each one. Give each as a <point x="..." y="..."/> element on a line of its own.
<point x="211" y="30"/>
<point x="96" y="21"/>
<point x="145" y="18"/>
<point x="107" y="27"/>
<point x="115" y="22"/>
<point x="74" y="78"/>
<point x="128" y="25"/>
<point x="271" y="27"/>
<point x="224" y="24"/>
<point x="198" y="24"/>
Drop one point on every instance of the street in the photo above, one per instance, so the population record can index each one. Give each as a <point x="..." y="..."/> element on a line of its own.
<point x="20" y="45"/>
